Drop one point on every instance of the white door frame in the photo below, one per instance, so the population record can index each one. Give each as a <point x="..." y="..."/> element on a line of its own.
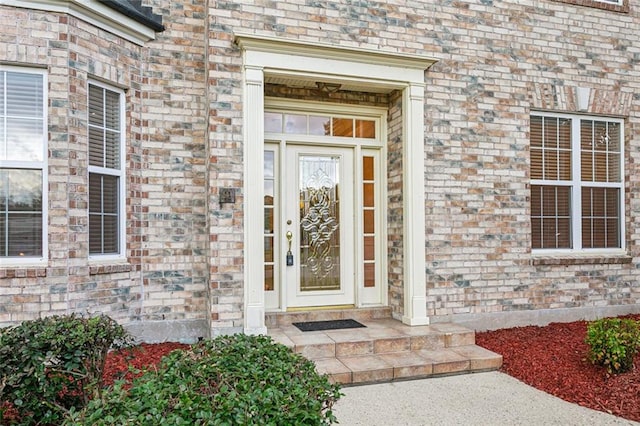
<point x="345" y="295"/>
<point x="322" y="62"/>
<point x="277" y="300"/>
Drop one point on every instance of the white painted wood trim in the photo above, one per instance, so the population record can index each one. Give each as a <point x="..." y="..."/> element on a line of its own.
<point x="298" y="48"/>
<point x="378" y="295"/>
<point x="273" y="299"/>
<point x="280" y="104"/>
<point x="623" y="190"/>
<point x="415" y="296"/>
<point x="95" y="13"/>
<point x="576" y="188"/>
<point x="253" y="107"/>
<point x="380" y="71"/>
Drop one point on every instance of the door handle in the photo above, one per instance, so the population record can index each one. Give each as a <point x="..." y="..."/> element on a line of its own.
<point x="289" y="236"/>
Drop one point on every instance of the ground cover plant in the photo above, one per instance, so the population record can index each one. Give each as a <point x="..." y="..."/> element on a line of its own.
<point x="57" y="371"/>
<point x="555" y="359"/>
<point x="613" y="343"/>
<point x="230" y="380"/>
<point x="52" y="365"/>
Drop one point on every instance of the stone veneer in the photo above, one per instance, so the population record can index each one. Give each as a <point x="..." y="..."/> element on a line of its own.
<point x="183" y="277"/>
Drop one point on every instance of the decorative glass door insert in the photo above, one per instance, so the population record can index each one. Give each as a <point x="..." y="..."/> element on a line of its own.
<point x="319" y="212"/>
<point x="319" y="222"/>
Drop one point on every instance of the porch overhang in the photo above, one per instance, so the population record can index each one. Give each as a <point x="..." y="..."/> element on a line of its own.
<point x="378" y="71"/>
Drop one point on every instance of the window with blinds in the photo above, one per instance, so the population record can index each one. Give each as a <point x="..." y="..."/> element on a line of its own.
<point x="576" y="182"/>
<point x="22" y="162"/>
<point x="105" y="170"/>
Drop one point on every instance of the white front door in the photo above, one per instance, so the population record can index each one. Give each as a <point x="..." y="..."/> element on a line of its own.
<point x="324" y="207"/>
<point x="319" y="231"/>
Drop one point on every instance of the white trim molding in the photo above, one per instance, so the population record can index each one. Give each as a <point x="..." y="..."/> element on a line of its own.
<point x="95" y="13"/>
<point x="253" y="200"/>
<point x="380" y="72"/>
<point x="415" y="288"/>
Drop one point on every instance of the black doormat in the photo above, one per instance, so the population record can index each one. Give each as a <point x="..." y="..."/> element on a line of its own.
<point x="328" y="325"/>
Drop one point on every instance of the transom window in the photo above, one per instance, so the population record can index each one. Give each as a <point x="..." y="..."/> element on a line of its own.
<point x="576" y="182"/>
<point x="22" y="164"/>
<point x="106" y="174"/>
<point x="319" y="125"/>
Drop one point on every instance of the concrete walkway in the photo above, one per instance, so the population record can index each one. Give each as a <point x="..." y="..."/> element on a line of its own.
<point x="491" y="398"/>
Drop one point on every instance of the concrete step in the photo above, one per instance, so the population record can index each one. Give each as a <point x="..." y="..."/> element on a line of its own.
<point x="388" y="350"/>
<point x="408" y="365"/>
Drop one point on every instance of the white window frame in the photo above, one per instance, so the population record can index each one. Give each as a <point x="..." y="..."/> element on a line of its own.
<point x="616" y="2"/>
<point x="120" y="173"/>
<point x="41" y="165"/>
<point x="576" y="184"/>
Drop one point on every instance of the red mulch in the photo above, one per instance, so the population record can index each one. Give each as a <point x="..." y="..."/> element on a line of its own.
<point x="553" y="359"/>
<point x="123" y="364"/>
<point x="139" y="358"/>
<point x="550" y="358"/>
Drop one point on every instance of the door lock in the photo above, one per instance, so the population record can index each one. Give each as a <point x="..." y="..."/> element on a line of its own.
<point x="289" y="236"/>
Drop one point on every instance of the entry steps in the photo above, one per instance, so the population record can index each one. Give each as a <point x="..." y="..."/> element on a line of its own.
<point x="385" y="350"/>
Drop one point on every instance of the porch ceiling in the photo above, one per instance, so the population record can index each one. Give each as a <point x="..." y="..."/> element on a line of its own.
<point x="311" y="83"/>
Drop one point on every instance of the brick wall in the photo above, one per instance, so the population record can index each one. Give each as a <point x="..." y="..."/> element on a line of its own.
<point x="493" y="57"/>
<point x="173" y="148"/>
<point x="165" y="274"/>
<point x="496" y="61"/>
<point x="395" y="198"/>
<point x="478" y="256"/>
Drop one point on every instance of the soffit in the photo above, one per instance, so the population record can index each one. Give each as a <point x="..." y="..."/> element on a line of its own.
<point x="311" y="83"/>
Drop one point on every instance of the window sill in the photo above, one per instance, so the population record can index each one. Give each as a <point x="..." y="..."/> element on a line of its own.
<point x="113" y="268"/>
<point x="580" y="259"/>
<point x="23" y="271"/>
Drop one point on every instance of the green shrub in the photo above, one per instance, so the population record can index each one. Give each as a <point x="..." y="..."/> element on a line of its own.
<point x="613" y="343"/>
<point x="49" y="365"/>
<point x="231" y="380"/>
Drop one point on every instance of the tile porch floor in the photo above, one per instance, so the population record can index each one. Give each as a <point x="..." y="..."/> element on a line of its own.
<point x="383" y="351"/>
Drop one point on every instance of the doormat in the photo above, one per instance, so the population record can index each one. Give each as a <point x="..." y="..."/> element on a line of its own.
<point x="328" y="325"/>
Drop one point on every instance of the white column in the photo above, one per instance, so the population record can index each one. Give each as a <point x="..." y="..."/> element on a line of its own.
<point x="253" y="108"/>
<point x="415" y="300"/>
